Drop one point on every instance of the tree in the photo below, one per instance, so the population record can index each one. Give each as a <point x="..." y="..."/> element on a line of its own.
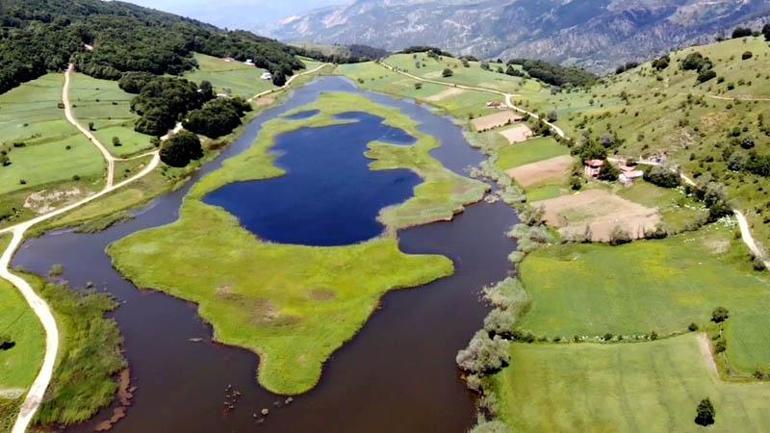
<point x="180" y="149"/>
<point x="719" y="315"/>
<point x="484" y="354"/>
<point x="742" y="32"/>
<point x="217" y="117"/>
<point x="662" y="176"/>
<point x="553" y="116"/>
<point x="417" y="86"/>
<point x="706" y="75"/>
<point x="116" y="142"/>
<point x="705" y="413"/>
<point x="91" y="126"/>
<point x="747" y="55"/>
<point x="446" y="73"/>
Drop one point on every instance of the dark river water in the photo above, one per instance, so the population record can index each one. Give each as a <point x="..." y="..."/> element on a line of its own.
<point x="330" y="196"/>
<point x="396" y="376"/>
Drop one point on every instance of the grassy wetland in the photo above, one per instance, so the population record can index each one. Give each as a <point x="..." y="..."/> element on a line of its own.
<point x="300" y="303"/>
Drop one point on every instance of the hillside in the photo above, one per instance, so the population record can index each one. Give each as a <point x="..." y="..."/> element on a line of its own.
<point x="105" y="39"/>
<point x="598" y="34"/>
<point x="716" y="131"/>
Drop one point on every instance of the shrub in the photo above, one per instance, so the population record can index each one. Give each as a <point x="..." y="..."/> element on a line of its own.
<point x="484" y="355"/>
<point x="705" y="413"/>
<point x="662" y="176"/>
<point x="116" y="142"/>
<point x="417" y="86"/>
<point x="180" y="149"/>
<point x="719" y="315"/>
<point x="706" y="75"/>
<point x="661" y="63"/>
<point x="747" y="55"/>
<point x="694" y="62"/>
<point x="446" y="73"/>
<point x="552" y="116"/>
<point x="693" y="327"/>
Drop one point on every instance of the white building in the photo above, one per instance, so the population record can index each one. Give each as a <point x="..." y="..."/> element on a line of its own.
<point x="267" y="76"/>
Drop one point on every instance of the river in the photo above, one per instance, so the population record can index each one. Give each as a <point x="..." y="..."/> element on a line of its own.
<point x="397" y="375"/>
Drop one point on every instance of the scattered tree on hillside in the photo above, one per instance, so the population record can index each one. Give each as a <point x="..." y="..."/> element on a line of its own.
<point x="747" y="55"/>
<point x="705" y="413"/>
<point x="706" y="75"/>
<point x="116" y="141"/>
<point x="180" y="149"/>
<point x="661" y="63"/>
<point x="446" y="73"/>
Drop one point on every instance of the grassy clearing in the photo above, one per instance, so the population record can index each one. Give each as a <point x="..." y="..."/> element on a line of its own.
<point x="651" y="387"/>
<point x="677" y="210"/>
<point x="109" y="108"/>
<point x="376" y="78"/>
<point x="55" y="151"/>
<point x="232" y="78"/>
<point x="537" y="149"/>
<point x="300" y="303"/>
<point x="664" y="286"/>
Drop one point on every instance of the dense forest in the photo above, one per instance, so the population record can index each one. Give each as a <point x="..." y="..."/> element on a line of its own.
<point x="106" y="39"/>
<point x="556" y="75"/>
<point x="345" y="54"/>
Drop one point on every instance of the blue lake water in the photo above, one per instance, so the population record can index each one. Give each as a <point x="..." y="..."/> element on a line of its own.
<point x="328" y="196"/>
<point x="302" y="114"/>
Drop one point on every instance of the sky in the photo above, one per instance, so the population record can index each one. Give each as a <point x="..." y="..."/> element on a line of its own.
<point x="241" y="14"/>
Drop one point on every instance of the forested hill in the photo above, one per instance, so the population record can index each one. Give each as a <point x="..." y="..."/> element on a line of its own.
<point x="106" y="39"/>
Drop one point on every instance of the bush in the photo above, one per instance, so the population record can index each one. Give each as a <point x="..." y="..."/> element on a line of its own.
<point x="180" y="149"/>
<point x="747" y="55"/>
<point x="446" y="73"/>
<point x="484" y="355"/>
<point x="706" y="75"/>
<point x="417" y="86"/>
<point x="719" y="315"/>
<point x="116" y="142"/>
<point x="705" y="413"/>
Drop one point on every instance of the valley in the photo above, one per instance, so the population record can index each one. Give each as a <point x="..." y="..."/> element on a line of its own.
<point x="219" y="232"/>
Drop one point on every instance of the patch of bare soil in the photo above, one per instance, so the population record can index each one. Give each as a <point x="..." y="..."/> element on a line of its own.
<point x="46" y="201"/>
<point x="548" y="170"/>
<point x="598" y="212"/>
<point x="708" y="354"/>
<point x="495" y="120"/>
<point x="264" y="101"/>
<point x="322" y="295"/>
<point x="445" y="94"/>
<point x="517" y="134"/>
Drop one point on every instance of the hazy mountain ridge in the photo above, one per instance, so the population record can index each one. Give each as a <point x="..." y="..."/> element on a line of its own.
<point x="595" y="33"/>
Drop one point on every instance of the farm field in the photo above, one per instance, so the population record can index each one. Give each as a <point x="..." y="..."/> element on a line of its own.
<point x="232" y="78"/>
<point x="56" y="150"/>
<point x="282" y="309"/>
<point x="652" y="387"/>
<point x="109" y="108"/>
<point x="661" y="286"/>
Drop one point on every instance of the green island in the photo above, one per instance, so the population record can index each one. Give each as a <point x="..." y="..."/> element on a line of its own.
<point x="301" y="303"/>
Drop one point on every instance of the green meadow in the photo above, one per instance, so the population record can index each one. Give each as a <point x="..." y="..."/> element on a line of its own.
<point x="649" y="387"/>
<point x="232" y="78"/>
<point x="661" y="286"/>
<point x="300" y="303"/>
<point x="109" y="108"/>
<point x="534" y="150"/>
<point x="53" y="150"/>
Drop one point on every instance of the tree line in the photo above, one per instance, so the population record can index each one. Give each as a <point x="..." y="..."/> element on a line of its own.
<point x="107" y="39"/>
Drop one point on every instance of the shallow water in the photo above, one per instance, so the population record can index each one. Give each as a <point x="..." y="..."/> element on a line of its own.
<point x="329" y="196"/>
<point x="396" y="376"/>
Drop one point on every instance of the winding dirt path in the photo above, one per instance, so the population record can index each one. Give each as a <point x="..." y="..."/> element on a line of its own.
<point x="108" y="158"/>
<point x="38" y="388"/>
<point x="746" y="235"/>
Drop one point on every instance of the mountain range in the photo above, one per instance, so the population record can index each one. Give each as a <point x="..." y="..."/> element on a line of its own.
<point x="597" y="34"/>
